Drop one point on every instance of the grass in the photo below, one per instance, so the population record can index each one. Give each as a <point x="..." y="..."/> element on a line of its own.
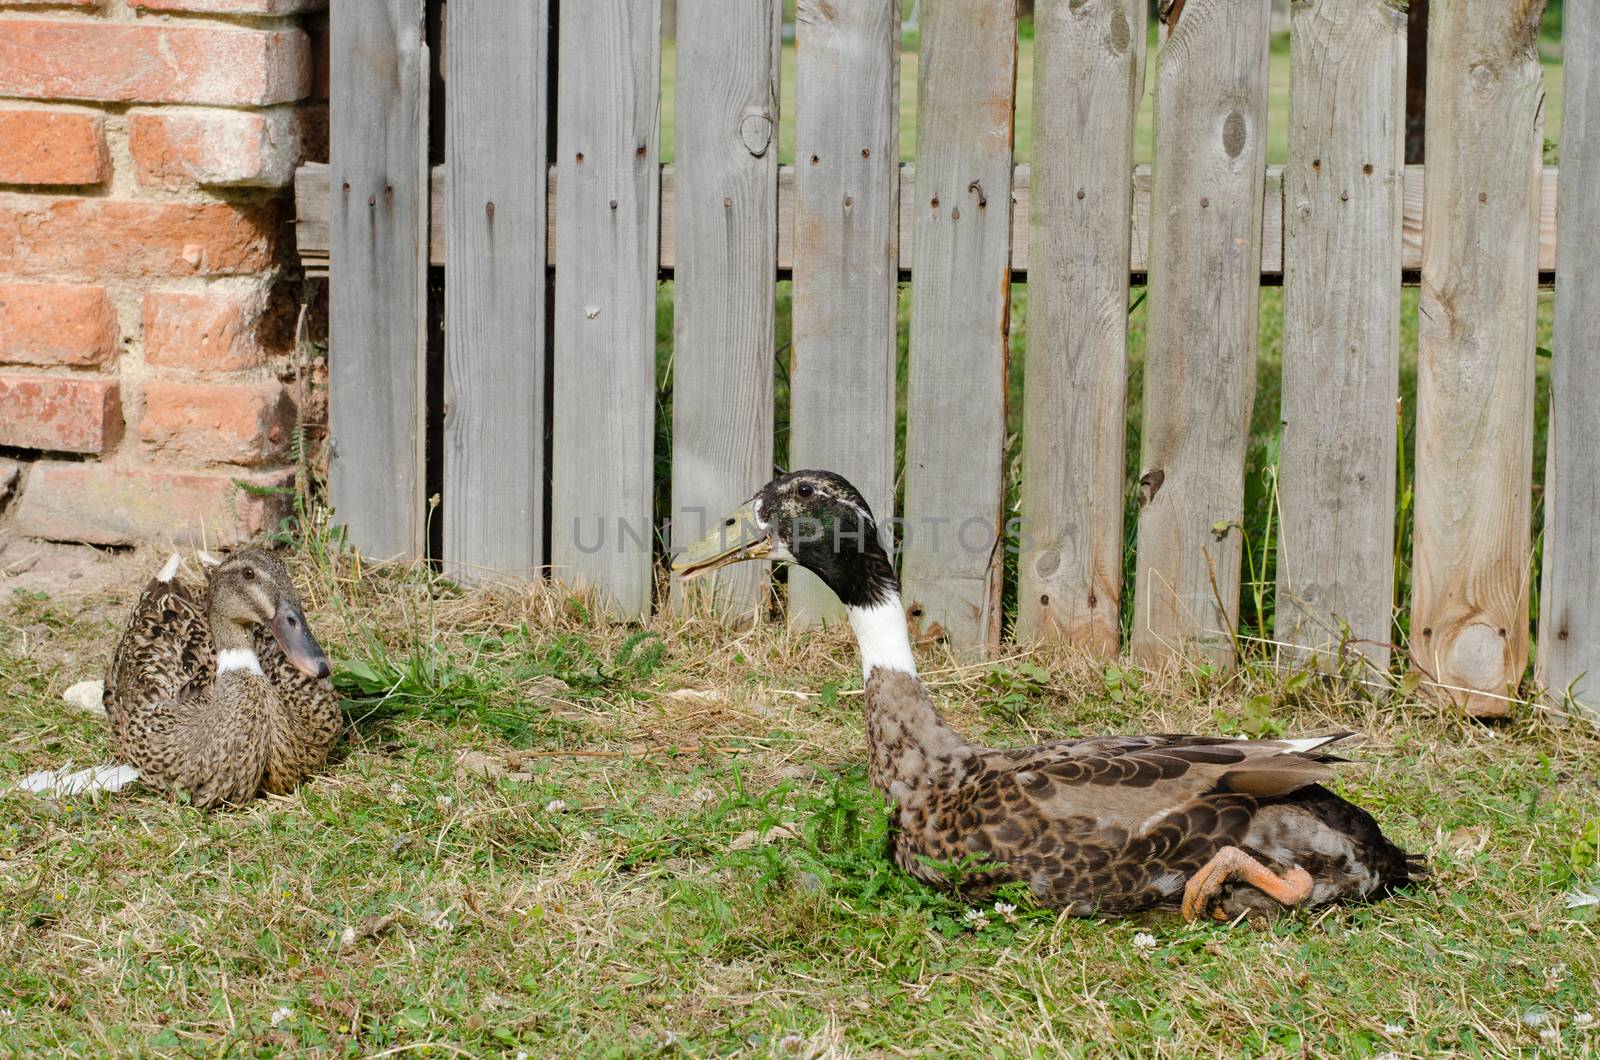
<point x="553" y="834"/>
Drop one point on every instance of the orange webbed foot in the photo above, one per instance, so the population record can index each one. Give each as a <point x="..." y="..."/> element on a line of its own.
<point x="1231" y="863"/>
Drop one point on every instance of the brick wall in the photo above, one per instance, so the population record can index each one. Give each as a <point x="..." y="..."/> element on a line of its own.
<point x="147" y="299"/>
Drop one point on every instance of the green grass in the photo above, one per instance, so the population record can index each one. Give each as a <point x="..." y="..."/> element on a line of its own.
<point x="507" y="856"/>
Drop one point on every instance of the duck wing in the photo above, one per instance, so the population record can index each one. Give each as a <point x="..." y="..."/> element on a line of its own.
<point x="1114" y="824"/>
<point x="164" y="654"/>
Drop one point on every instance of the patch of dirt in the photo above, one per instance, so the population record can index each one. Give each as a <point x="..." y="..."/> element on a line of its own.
<point x="70" y="574"/>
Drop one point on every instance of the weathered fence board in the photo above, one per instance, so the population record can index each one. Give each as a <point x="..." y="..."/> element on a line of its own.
<point x="311" y="232"/>
<point x="1469" y="621"/>
<point x="1343" y="193"/>
<point x="1087" y="87"/>
<point x="603" y="438"/>
<point x="378" y="233"/>
<point x="1569" y="625"/>
<point x="727" y="254"/>
<point x="494" y="379"/>
<point x="956" y="415"/>
<point x="1210" y="143"/>
<point x="842" y="375"/>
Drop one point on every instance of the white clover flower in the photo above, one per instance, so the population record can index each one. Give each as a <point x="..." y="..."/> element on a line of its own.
<point x="1583" y="1020"/>
<point x="1006" y="911"/>
<point x="7" y="1017"/>
<point x="556" y="806"/>
<point x="445" y="801"/>
<point x="1535" y="1017"/>
<point x="975" y="919"/>
<point x="1549" y="1034"/>
<point x="1394" y="1028"/>
<point x="281" y="1013"/>
<point x="1143" y="940"/>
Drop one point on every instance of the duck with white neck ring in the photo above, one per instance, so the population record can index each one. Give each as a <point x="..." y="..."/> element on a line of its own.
<point x="1096" y="826"/>
<point x="222" y="694"/>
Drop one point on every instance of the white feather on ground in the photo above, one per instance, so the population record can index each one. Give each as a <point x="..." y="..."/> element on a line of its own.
<point x="87" y="696"/>
<point x="59" y="783"/>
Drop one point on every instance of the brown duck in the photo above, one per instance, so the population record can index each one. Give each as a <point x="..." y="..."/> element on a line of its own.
<point x="1103" y="825"/>
<point x="222" y="694"/>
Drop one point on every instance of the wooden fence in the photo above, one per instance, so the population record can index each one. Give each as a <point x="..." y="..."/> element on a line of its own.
<point x="555" y="222"/>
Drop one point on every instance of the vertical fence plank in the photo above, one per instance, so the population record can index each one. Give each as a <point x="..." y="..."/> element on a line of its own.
<point x="1469" y="621"/>
<point x="497" y="66"/>
<point x="726" y="260"/>
<point x="846" y="226"/>
<point x="603" y="439"/>
<point x="1569" y="623"/>
<point x="377" y="310"/>
<point x="1205" y="262"/>
<point x="1088" y="79"/>
<point x="956" y="416"/>
<point x="1343" y="191"/>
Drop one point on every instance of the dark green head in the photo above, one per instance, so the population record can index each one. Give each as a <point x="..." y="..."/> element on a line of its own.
<point x="816" y="519"/>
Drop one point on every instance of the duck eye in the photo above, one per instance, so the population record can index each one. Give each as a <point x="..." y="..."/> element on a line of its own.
<point x="806" y="489"/>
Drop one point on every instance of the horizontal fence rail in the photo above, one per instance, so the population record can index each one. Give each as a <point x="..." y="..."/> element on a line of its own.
<point x="312" y="204"/>
<point x="559" y="423"/>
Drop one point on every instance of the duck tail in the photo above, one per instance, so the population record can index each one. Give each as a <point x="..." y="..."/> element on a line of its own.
<point x="170" y="570"/>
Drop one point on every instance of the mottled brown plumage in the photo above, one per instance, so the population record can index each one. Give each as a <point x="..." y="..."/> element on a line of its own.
<point x="1103" y="825"/>
<point x="261" y="725"/>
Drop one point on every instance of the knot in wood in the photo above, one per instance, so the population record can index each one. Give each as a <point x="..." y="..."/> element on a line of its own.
<point x="755" y="132"/>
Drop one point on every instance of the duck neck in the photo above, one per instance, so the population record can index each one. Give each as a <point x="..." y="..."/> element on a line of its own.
<point x="236" y="650"/>
<point x="907" y="740"/>
<point x="881" y="635"/>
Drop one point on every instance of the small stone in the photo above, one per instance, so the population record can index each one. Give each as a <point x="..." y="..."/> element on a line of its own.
<point x="87" y="696"/>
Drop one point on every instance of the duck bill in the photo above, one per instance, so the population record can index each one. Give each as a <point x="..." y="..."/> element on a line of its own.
<point x="737" y="538"/>
<point x="293" y="635"/>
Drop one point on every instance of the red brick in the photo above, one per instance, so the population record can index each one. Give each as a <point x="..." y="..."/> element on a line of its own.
<point x="62" y="414"/>
<point x="233" y="7"/>
<point x="144" y="63"/>
<point x="227" y="147"/>
<point x="47" y="323"/>
<point x="213" y="331"/>
<point x="231" y="424"/>
<point x="104" y="504"/>
<point x="97" y="238"/>
<point x="52" y="147"/>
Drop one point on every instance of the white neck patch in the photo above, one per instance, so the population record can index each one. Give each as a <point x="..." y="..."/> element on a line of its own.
<point x="231" y="659"/>
<point x="882" y="637"/>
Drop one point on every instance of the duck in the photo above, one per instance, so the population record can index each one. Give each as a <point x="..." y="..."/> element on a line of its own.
<point x="222" y="693"/>
<point x="1098" y="826"/>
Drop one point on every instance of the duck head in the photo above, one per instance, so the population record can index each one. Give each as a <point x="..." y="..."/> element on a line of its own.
<point x="252" y="588"/>
<point x="814" y="519"/>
